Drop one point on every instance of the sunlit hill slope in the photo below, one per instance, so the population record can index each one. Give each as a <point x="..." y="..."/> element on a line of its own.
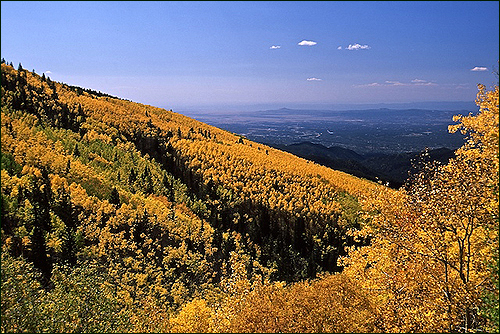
<point x="151" y="192"/>
<point x="119" y="216"/>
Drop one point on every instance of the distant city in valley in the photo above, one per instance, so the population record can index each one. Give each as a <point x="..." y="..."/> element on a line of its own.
<point x="367" y="131"/>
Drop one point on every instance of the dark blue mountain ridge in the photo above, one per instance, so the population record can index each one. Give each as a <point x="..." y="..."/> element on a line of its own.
<point x="391" y="169"/>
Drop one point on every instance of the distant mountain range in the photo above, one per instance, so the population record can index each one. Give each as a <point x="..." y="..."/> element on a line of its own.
<point x="432" y="105"/>
<point x="391" y="169"/>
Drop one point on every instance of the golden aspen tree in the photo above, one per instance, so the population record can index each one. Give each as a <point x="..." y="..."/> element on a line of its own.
<point x="430" y="244"/>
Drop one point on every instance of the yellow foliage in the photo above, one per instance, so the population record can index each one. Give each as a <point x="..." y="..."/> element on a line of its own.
<point x="426" y="265"/>
<point x="194" y="317"/>
<point x="423" y="271"/>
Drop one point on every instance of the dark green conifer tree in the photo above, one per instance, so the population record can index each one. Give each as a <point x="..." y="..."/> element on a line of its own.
<point x="132" y="177"/>
<point x="114" y="197"/>
<point x="76" y="151"/>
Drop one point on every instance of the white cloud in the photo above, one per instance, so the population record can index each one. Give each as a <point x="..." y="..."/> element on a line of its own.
<point x="339" y="48"/>
<point x="373" y="84"/>
<point x="314" y="79"/>
<point x="461" y="86"/>
<point x="47" y="72"/>
<point x="420" y="82"/>
<point x="273" y="47"/>
<point x="307" y="43"/>
<point x="479" y="69"/>
<point x="392" y="83"/>
<point x="357" y="46"/>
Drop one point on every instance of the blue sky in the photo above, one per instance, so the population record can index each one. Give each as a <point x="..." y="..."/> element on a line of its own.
<point x="192" y="54"/>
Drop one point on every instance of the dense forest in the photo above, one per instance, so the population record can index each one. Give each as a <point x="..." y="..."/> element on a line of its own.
<point x="123" y="217"/>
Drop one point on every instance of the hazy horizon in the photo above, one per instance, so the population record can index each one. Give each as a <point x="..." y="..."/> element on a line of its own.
<point x="426" y="105"/>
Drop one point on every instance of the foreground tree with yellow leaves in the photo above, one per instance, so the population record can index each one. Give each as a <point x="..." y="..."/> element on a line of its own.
<point x="433" y="242"/>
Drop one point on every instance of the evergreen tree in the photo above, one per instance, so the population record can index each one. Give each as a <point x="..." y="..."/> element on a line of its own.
<point x="132" y="177"/>
<point x="147" y="181"/>
<point x="67" y="212"/>
<point x="41" y="199"/>
<point x="76" y="151"/>
<point x="114" y="197"/>
<point x="68" y="166"/>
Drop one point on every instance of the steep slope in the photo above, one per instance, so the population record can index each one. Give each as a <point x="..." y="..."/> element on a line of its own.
<point x="279" y="200"/>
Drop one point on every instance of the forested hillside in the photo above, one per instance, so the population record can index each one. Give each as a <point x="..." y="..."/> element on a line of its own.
<point x="118" y="216"/>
